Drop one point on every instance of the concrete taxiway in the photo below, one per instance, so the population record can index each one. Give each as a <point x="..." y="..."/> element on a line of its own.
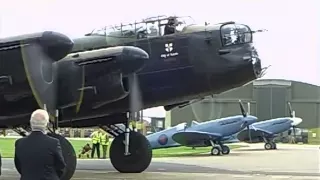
<point x="253" y="162"/>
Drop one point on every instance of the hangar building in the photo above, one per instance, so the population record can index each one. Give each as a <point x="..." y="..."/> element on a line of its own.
<point x="267" y="99"/>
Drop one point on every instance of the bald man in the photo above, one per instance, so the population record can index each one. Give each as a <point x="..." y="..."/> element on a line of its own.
<point x="39" y="156"/>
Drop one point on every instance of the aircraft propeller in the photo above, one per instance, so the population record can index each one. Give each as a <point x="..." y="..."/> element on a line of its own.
<point x="41" y="73"/>
<point x="135" y="98"/>
<point x="39" y="56"/>
<point x="245" y="114"/>
<point x="200" y="113"/>
<point x="292" y="115"/>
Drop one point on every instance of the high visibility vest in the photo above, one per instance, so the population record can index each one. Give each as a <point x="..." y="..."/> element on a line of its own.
<point x="95" y="137"/>
<point x="104" y="139"/>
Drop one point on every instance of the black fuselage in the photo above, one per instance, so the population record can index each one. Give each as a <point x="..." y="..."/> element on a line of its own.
<point x="191" y="68"/>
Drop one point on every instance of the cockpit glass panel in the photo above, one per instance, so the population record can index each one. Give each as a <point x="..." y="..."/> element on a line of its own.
<point x="183" y="22"/>
<point x="150" y="27"/>
<point x="113" y="31"/>
<point x="232" y="34"/>
<point x="128" y="30"/>
<point x="153" y="29"/>
<point x="99" y="31"/>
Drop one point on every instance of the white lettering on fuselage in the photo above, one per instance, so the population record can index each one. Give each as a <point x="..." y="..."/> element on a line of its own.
<point x="169" y="55"/>
<point x="168" y="47"/>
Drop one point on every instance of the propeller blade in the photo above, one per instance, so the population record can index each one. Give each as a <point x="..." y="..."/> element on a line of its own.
<point x="249" y="108"/>
<point x="290" y="109"/>
<point x="41" y="72"/>
<point x="201" y="114"/>
<point x="135" y="97"/>
<point x="243" y="112"/>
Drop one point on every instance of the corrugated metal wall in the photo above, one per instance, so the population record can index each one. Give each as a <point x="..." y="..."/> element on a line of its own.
<point x="267" y="99"/>
<point x="271" y="102"/>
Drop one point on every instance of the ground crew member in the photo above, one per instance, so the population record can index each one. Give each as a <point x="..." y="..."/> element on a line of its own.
<point x="104" y="141"/>
<point x="95" y="138"/>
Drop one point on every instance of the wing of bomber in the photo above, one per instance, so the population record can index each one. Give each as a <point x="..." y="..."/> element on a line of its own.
<point x="27" y="63"/>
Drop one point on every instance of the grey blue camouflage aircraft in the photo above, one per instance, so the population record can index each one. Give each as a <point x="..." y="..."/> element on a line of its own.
<point x="266" y="131"/>
<point x="210" y="133"/>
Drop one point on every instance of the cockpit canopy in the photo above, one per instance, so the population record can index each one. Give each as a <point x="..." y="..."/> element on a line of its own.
<point x="149" y="27"/>
<point x="233" y="34"/>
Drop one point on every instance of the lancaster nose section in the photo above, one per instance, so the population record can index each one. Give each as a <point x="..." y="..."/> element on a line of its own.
<point x="254" y="59"/>
<point x="133" y="59"/>
<point x="295" y="121"/>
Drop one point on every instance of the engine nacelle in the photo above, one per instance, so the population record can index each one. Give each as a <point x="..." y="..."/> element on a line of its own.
<point x="77" y="87"/>
<point x="127" y="59"/>
<point x="109" y="88"/>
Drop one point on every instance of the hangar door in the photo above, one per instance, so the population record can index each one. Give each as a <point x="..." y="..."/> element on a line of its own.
<point x="271" y="102"/>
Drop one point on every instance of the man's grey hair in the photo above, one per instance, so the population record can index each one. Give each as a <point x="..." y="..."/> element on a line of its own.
<point x="39" y="120"/>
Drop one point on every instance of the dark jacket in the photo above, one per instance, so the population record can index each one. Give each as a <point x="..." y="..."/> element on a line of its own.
<point x="39" y="157"/>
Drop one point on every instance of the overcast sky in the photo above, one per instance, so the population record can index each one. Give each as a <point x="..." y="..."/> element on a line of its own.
<point x="291" y="45"/>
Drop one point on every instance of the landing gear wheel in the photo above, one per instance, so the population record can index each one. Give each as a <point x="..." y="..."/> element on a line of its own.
<point x="274" y="145"/>
<point x="268" y="146"/>
<point x="225" y="149"/>
<point x="140" y="153"/>
<point x="69" y="155"/>
<point x="215" y="151"/>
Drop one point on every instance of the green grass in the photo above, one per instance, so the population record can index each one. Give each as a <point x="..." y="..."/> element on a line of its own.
<point x="7" y="149"/>
<point x="314" y="140"/>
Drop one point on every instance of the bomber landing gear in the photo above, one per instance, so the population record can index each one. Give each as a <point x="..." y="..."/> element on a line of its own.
<point x="219" y="149"/>
<point x="69" y="156"/>
<point x="68" y="152"/>
<point x="130" y="152"/>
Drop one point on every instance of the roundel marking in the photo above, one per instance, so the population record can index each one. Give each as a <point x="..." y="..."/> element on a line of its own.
<point x="163" y="139"/>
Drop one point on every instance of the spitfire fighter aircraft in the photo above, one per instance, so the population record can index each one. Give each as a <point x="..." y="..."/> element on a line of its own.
<point x="210" y="133"/>
<point x="266" y="131"/>
<point x="110" y="74"/>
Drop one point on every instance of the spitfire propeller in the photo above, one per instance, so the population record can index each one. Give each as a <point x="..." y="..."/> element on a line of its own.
<point x="245" y="114"/>
<point x="295" y="120"/>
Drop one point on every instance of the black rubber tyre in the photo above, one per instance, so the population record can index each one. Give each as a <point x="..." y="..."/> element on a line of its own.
<point x="274" y="145"/>
<point x="225" y="149"/>
<point x="215" y="151"/>
<point x="268" y="146"/>
<point x="140" y="157"/>
<point x="69" y="155"/>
